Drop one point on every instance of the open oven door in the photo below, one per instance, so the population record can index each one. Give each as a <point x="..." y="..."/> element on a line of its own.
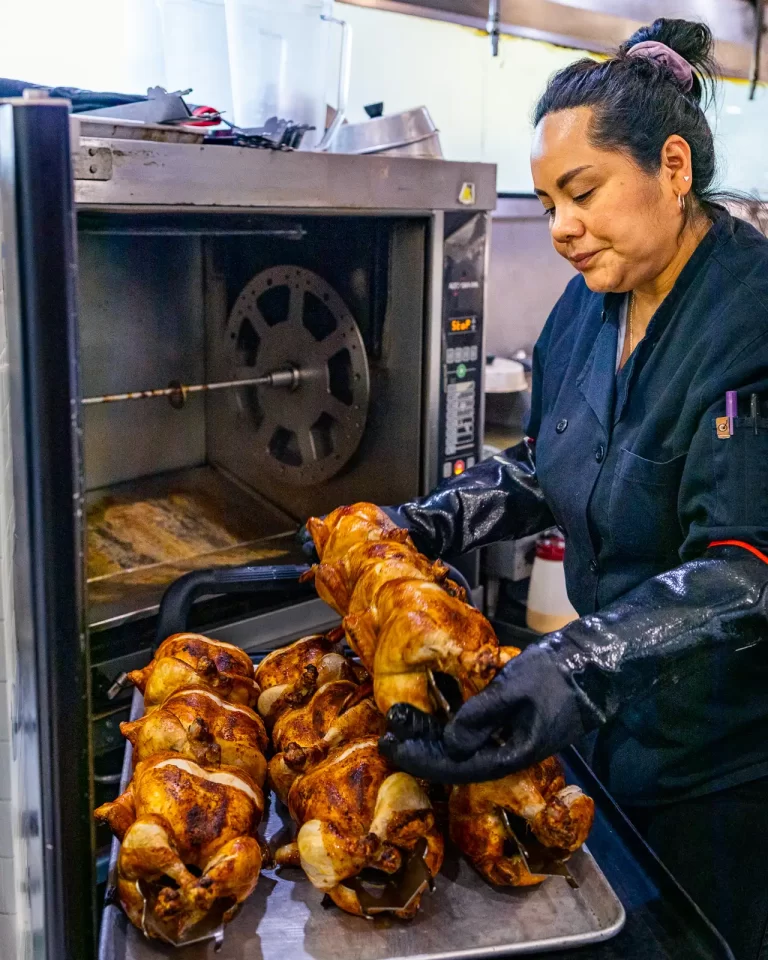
<point x="42" y="643"/>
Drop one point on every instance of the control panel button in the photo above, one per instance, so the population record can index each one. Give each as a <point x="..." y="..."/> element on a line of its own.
<point x="459" y="467"/>
<point x="449" y="354"/>
<point x="447" y="469"/>
<point x="470" y="462"/>
<point x="461" y="371"/>
<point x="473" y="352"/>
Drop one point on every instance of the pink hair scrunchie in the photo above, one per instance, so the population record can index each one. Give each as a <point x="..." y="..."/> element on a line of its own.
<point x="661" y="53"/>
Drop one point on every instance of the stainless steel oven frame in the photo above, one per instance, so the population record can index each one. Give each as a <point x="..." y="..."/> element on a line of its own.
<point x="50" y="176"/>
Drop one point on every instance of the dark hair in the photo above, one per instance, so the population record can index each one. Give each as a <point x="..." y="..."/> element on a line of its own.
<point x="638" y="103"/>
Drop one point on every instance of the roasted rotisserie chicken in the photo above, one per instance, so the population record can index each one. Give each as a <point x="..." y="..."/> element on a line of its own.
<point x="189" y="660"/>
<point x="200" y="726"/>
<point x="336" y="713"/>
<point x="289" y="676"/>
<point x="352" y="810"/>
<point x="408" y="623"/>
<point x="350" y="584"/>
<point x="188" y="843"/>
<point x="354" y="813"/>
<point x="558" y="816"/>
<point x="345" y="527"/>
<point x="415" y="626"/>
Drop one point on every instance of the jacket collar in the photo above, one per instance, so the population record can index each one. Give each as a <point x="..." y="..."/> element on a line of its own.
<point x="597" y="380"/>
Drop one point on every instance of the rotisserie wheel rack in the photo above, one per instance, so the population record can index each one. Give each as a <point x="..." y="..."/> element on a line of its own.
<point x="188" y="843"/>
<point x="354" y="813"/>
<point x="408" y="623"/>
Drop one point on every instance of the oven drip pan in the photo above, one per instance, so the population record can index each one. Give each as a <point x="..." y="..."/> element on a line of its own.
<point x="144" y="534"/>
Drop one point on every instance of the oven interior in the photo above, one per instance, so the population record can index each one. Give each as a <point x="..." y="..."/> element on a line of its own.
<point x="335" y="305"/>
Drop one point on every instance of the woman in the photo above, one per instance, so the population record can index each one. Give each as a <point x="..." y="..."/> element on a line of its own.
<point x="662" y="499"/>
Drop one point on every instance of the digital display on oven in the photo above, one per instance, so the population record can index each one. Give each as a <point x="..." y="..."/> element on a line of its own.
<point x="462" y="325"/>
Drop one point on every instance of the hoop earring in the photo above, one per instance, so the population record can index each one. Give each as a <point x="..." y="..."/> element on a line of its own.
<point x="681" y="202"/>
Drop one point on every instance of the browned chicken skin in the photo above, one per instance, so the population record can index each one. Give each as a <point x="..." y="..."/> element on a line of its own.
<point x="190" y="660"/>
<point x="415" y="626"/>
<point x="350" y="584"/>
<point x="346" y="526"/>
<point x="558" y="816"/>
<point x="288" y="677"/>
<point x="355" y="812"/>
<point x="199" y="725"/>
<point x="405" y="625"/>
<point x="176" y="815"/>
<point x="340" y="711"/>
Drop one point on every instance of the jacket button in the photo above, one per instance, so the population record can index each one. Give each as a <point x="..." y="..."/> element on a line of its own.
<point x="561" y="426"/>
<point x="600" y="453"/>
<point x="594" y="566"/>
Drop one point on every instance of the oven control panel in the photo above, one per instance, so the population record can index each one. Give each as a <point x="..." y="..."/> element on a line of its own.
<point x="461" y="358"/>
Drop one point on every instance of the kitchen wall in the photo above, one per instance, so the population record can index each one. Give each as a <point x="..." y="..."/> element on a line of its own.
<point x="526" y="276"/>
<point x="482" y="104"/>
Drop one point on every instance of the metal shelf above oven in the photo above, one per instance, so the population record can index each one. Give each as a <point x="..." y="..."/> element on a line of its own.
<point x="170" y="175"/>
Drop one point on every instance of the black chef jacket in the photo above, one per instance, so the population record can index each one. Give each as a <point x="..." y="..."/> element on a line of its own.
<point x="635" y="475"/>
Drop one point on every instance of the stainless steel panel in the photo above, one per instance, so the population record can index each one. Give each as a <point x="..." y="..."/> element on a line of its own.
<point x="141" y="326"/>
<point x="432" y="352"/>
<point x="385" y="467"/>
<point x="24" y="685"/>
<point x="601" y="28"/>
<point x="168" y="175"/>
<point x="463" y="918"/>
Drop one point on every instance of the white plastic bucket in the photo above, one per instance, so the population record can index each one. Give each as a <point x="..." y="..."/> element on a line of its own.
<point x="279" y="62"/>
<point x="196" y="51"/>
<point x="548" y="605"/>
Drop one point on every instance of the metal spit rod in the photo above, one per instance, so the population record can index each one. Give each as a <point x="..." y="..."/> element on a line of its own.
<point x="288" y="379"/>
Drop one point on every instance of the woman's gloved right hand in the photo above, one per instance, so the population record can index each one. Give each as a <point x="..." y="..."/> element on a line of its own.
<point x="497" y="499"/>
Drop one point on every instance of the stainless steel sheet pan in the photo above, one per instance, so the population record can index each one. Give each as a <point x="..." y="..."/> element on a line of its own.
<point x="464" y="917"/>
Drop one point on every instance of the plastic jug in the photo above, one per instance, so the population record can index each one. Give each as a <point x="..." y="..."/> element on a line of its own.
<point x="548" y="605"/>
<point x="196" y="51"/>
<point x="279" y="63"/>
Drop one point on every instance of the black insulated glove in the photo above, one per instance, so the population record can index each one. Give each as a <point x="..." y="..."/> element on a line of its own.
<point x="527" y="713"/>
<point x="498" y="499"/>
<point x="575" y="679"/>
<point x="307" y="544"/>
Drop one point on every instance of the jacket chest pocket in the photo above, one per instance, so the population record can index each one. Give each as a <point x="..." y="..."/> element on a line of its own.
<point x="643" y="506"/>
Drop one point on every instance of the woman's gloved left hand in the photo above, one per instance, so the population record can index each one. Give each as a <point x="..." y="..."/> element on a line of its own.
<point x="306" y="543"/>
<point x="528" y="712"/>
<point x="575" y="679"/>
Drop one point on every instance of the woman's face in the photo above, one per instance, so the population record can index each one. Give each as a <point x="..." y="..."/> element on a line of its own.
<point x="617" y="225"/>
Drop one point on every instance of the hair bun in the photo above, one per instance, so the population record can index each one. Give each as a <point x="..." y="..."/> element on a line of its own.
<point x="691" y="40"/>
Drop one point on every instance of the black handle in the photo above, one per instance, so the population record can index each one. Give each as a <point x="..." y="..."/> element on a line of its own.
<point x="181" y="594"/>
<point x="461" y="580"/>
<point x="178" y="598"/>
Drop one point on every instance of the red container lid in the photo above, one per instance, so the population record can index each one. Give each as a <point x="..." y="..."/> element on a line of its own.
<point x="551" y="548"/>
